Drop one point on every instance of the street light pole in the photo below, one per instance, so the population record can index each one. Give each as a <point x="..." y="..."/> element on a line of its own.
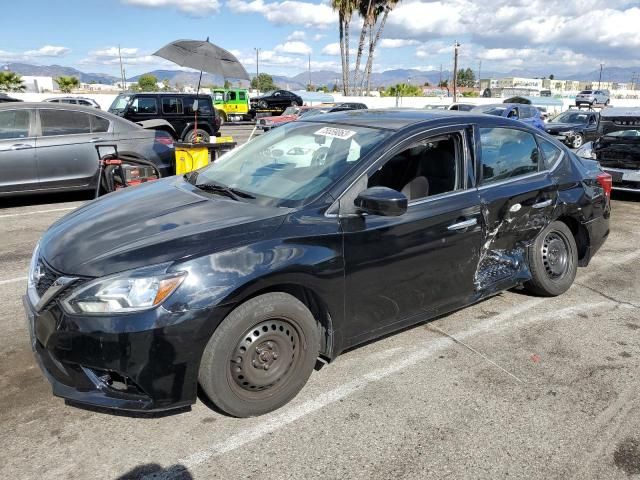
<point x="258" y="69"/>
<point x="600" y="77"/>
<point x="455" y="71"/>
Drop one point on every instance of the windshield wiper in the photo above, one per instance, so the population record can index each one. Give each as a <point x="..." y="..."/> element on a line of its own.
<point x="224" y="190"/>
<point x="191" y="177"/>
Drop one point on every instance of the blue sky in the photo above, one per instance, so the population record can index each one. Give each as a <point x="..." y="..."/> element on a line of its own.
<point x="561" y="36"/>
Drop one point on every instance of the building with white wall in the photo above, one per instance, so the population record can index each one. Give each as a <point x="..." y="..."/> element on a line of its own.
<point x="37" y="84"/>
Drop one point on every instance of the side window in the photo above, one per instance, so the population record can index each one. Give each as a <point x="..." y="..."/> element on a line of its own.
<point x="99" y="124"/>
<point x="64" y="122"/>
<point x="204" y="106"/>
<point x="507" y="153"/>
<point x="14" y="124"/>
<point x="513" y="113"/>
<point x="145" y="105"/>
<point x="232" y="96"/>
<point x="172" y="105"/>
<point x="525" y="112"/>
<point x="426" y="168"/>
<point x="552" y="154"/>
<point x="242" y="96"/>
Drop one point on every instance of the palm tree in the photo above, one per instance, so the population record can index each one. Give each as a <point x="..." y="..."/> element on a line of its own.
<point x="345" y="9"/>
<point x="384" y="7"/>
<point x="67" y="84"/>
<point x="11" y="82"/>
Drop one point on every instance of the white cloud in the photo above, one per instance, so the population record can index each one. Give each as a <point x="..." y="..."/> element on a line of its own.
<point x="296" y="48"/>
<point x="130" y="56"/>
<point x="198" y="8"/>
<point x="288" y="12"/>
<point x="48" y="51"/>
<point x="113" y="52"/>
<point x="297" y="35"/>
<point x="318" y="36"/>
<point x="333" y="49"/>
<point x="29" y="55"/>
<point x="396" y="43"/>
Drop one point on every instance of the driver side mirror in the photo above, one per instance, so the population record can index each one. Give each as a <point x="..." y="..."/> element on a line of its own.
<point x="381" y="201"/>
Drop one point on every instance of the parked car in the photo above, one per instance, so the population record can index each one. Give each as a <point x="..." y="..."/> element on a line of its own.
<point x="87" y="102"/>
<point x="177" y="109"/>
<point x="313" y="238"/>
<point x="47" y="147"/>
<point x="617" y="147"/>
<point x="276" y="100"/>
<point x="593" y="97"/>
<point x="463" y="107"/>
<point x="574" y="127"/>
<point x="293" y="113"/>
<point x="4" y="98"/>
<point x="525" y="113"/>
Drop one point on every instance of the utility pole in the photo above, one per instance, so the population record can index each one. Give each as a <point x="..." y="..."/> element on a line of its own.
<point x="309" y="72"/>
<point x="455" y="71"/>
<point x="258" y="69"/>
<point x="440" y="81"/>
<point x="600" y="77"/>
<point x="479" y="73"/>
<point x="122" y="77"/>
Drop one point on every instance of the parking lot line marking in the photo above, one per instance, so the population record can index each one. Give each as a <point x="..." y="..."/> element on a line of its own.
<point x="37" y="211"/>
<point x="13" y="280"/>
<point x="508" y="318"/>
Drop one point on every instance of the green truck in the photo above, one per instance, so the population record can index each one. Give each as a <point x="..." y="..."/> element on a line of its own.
<point x="231" y="103"/>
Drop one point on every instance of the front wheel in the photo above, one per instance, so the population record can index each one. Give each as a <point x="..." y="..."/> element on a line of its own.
<point x="553" y="261"/>
<point x="294" y="103"/>
<point x="260" y="356"/>
<point x="578" y="140"/>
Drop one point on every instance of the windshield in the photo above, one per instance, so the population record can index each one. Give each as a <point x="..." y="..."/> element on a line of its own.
<point x="120" y="103"/>
<point x="490" y="110"/>
<point x="625" y="133"/>
<point x="312" y="112"/>
<point x="571" y="117"/>
<point x="585" y="92"/>
<point x="291" y="165"/>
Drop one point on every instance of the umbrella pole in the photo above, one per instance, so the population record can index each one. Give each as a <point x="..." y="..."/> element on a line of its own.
<point x="196" y="112"/>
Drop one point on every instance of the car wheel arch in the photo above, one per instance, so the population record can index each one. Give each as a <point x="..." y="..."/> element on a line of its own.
<point x="580" y="235"/>
<point x="312" y="300"/>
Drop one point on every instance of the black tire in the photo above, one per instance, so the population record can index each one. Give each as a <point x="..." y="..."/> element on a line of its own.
<point x="263" y="104"/>
<point x="553" y="261"/>
<point x="223" y="117"/>
<point x="200" y="135"/>
<point x="240" y="371"/>
<point x="294" y="103"/>
<point x="606" y="104"/>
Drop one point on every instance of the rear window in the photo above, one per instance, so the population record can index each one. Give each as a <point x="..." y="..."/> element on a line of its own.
<point x="585" y="92"/>
<point x="172" y="105"/>
<point x="204" y="106"/>
<point x="64" y="122"/>
<point x="14" y="124"/>
<point x="99" y="124"/>
<point x="552" y="154"/>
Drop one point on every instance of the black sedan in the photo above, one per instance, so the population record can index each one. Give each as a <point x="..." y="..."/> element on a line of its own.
<point x="574" y="127"/>
<point x="313" y="238"/>
<point x="47" y="147"/>
<point x="276" y="100"/>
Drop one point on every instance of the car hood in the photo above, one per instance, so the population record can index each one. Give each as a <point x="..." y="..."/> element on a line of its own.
<point x="280" y="118"/>
<point x="562" y="127"/>
<point x="159" y="222"/>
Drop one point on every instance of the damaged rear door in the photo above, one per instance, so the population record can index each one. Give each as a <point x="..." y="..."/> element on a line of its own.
<point x="517" y="197"/>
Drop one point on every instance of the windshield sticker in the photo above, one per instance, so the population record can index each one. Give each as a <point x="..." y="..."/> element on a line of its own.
<point x="334" y="132"/>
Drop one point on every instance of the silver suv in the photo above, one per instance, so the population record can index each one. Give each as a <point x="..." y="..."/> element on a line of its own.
<point x="593" y="97"/>
<point x="87" y="102"/>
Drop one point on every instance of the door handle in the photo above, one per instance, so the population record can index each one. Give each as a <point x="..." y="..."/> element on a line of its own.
<point x="544" y="204"/>
<point x="96" y="139"/>
<point x="464" y="224"/>
<point x="20" y="146"/>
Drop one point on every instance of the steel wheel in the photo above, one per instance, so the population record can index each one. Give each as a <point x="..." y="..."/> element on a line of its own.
<point x="555" y="255"/>
<point x="294" y="104"/>
<point x="577" y="141"/>
<point x="266" y="355"/>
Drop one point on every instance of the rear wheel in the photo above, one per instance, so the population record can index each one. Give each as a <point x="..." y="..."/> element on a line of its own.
<point x="263" y="104"/>
<point x="223" y="117"/>
<point x="553" y="261"/>
<point x="197" y="136"/>
<point x="260" y="356"/>
<point x="294" y="103"/>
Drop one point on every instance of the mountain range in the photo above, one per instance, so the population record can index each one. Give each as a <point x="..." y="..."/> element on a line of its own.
<point x="322" y="77"/>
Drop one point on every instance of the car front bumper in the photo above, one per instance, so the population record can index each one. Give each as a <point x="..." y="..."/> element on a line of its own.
<point x="141" y="362"/>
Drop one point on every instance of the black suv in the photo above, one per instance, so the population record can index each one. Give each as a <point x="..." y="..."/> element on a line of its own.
<point x="276" y="100"/>
<point x="175" y="108"/>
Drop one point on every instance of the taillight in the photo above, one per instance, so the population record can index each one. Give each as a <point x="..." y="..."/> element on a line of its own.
<point x="168" y="141"/>
<point x="606" y="182"/>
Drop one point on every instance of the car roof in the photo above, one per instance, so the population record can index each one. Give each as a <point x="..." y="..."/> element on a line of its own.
<point x="55" y="106"/>
<point x="397" y="119"/>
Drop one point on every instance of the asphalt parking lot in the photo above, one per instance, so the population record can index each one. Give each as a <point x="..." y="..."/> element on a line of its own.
<point x="530" y="388"/>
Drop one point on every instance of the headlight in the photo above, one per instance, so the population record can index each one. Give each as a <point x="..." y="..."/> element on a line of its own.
<point x="586" y="151"/>
<point x="569" y="133"/>
<point x="33" y="266"/>
<point x="133" y="291"/>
